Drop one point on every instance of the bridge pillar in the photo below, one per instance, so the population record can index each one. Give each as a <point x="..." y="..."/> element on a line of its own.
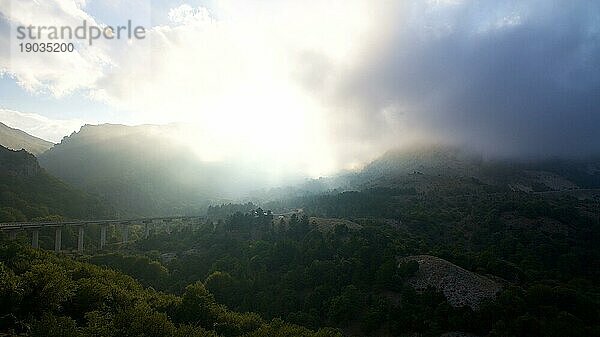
<point x="57" y="239"/>
<point x="12" y="234"/>
<point x="80" y="238"/>
<point x="147" y="230"/>
<point x="103" y="236"/>
<point x="125" y="232"/>
<point x="167" y="224"/>
<point x="35" y="238"/>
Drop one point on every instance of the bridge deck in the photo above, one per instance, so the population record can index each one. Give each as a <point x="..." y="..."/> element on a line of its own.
<point x="33" y="225"/>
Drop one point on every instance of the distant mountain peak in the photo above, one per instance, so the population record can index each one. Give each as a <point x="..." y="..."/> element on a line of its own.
<point x="431" y="158"/>
<point x="16" y="139"/>
<point x="428" y="167"/>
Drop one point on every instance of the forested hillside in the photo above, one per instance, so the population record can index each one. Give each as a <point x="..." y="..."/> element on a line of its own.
<point x="131" y="167"/>
<point x="47" y="295"/>
<point x="144" y="171"/>
<point x="427" y="167"/>
<point x="27" y="192"/>
<point x="408" y="254"/>
<point x="313" y="269"/>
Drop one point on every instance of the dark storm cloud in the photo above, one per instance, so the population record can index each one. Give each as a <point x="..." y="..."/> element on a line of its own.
<point x="521" y="78"/>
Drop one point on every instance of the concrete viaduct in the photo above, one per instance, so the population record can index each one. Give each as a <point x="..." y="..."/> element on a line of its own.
<point x="34" y="228"/>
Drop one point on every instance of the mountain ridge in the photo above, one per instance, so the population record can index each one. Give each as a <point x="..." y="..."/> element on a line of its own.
<point x="422" y="164"/>
<point x="28" y="192"/>
<point x="17" y="139"/>
<point x="144" y="170"/>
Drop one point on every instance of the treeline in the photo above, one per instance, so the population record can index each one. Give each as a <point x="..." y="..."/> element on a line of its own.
<point x="297" y="273"/>
<point x="47" y="295"/>
<point x="544" y="250"/>
<point x="374" y="202"/>
<point x="195" y="280"/>
<point x="221" y="212"/>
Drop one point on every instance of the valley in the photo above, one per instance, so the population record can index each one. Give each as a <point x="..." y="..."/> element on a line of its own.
<point x="289" y="168"/>
<point x="443" y="245"/>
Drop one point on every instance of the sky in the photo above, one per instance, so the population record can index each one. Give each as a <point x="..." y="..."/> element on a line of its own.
<point x="318" y="86"/>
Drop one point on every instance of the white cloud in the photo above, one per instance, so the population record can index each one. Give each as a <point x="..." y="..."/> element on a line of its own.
<point x="58" y="74"/>
<point x="287" y="79"/>
<point x="240" y="77"/>
<point x="186" y="14"/>
<point x="46" y="128"/>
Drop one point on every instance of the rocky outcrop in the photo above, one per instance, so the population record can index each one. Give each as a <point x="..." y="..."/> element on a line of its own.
<point x="460" y="286"/>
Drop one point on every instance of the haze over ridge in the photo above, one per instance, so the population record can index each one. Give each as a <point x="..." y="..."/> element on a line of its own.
<point x="517" y="78"/>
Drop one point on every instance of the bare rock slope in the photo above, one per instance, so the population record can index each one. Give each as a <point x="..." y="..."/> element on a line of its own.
<point x="460" y="286"/>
